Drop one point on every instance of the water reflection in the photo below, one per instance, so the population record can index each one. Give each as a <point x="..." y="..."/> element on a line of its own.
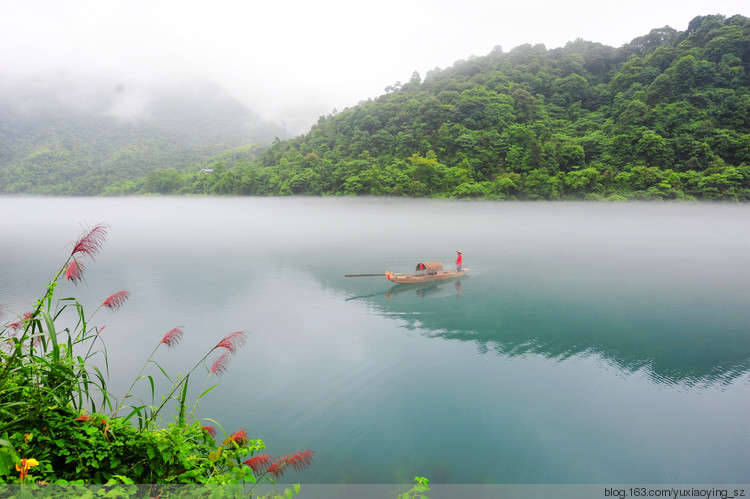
<point x="425" y="290"/>
<point x="420" y="290"/>
<point x="692" y="343"/>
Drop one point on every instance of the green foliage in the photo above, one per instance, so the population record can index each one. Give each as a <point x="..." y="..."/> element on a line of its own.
<point x="576" y="122"/>
<point x="421" y="486"/>
<point x="664" y="117"/>
<point x="572" y="123"/>
<point x="60" y="424"/>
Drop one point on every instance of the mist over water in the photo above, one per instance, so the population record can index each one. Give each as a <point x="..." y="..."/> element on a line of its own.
<point x="591" y="343"/>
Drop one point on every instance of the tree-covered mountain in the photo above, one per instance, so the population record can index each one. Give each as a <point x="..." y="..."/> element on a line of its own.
<point x="62" y="134"/>
<point x="666" y="116"/>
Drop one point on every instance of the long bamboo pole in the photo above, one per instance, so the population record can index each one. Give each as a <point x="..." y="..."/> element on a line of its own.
<point x="374" y="275"/>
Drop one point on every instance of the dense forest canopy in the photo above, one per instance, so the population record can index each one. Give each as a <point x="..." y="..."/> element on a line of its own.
<point x="666" y="116"/>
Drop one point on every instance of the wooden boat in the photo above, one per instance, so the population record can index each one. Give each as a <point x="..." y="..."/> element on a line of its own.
<point x="425" y="272"/>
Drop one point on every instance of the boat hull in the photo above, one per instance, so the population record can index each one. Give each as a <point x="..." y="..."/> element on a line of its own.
<point x="443" y="275"/>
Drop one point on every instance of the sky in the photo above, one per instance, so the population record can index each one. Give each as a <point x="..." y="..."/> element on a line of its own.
<point x="292" y="61"/>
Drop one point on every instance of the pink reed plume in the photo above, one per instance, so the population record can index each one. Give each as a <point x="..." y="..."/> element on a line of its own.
<point x="91" y="243"/>
<point x="259" y="464"/>
<point x="276" y="469"/>
<point x="210" y="430"/>
<point x="74" y="272"/>
<point x="233" y="341"/>
<point x="18" y="325"/>
<point x="298" y="460"/>
<point x="172" y="337"/>
<point x="221" y="364"/>
<point x="116" y="300"/>
<point x="239" y="436"/>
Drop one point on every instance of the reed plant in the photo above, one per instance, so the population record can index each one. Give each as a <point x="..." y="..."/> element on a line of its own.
<point x="60" y="423"/>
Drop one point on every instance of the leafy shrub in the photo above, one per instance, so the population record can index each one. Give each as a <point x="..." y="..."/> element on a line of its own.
<point x="60" y="424"/>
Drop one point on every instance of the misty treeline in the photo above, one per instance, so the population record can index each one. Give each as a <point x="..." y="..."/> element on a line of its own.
<point x="666" y="116"/>
<point x="60" y="134"/>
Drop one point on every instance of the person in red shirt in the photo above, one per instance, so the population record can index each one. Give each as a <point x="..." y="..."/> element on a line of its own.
<point x="459" y="261"/>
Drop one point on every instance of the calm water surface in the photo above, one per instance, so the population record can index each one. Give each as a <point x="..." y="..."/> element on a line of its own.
<point x="592" y="343"/>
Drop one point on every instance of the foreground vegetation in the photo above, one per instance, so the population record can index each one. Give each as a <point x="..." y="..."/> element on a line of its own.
<point x="60" y="424"/>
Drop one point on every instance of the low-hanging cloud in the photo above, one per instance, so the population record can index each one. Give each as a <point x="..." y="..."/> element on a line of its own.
<point x="292" y="61"/>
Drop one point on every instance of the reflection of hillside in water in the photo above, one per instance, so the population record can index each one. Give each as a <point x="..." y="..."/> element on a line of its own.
<point x="684" y="344"/>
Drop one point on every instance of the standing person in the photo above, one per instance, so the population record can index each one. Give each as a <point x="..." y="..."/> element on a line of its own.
<point x="459" y="261"/>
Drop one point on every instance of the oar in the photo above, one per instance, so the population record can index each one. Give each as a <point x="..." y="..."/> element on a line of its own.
<point x="373" y="275"/>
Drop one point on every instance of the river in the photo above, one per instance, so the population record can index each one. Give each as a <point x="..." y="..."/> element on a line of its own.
<point x="591" y="342"/>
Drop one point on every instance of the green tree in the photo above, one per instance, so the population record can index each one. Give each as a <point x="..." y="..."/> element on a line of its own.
<point x="659" y="90"/>
<point x="163" y="182"/>
<point x="682" y="74"/>
<point x="572" y="88"/>
<point x="426" y="172"/>
<point x="653" y="148"/>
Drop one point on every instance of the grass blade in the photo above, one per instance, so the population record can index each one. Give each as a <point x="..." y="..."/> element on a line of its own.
<point x="52" y="332"/>
<point x="183" y="398"/>
<point x="206" y="392"/>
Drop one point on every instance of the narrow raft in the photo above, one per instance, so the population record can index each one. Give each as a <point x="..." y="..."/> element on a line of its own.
<point x="426" y="272"/>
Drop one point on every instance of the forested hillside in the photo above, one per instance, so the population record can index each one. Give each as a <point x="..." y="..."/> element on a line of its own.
<point x="666" y="116"/>
<point x="61" y="136"/>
